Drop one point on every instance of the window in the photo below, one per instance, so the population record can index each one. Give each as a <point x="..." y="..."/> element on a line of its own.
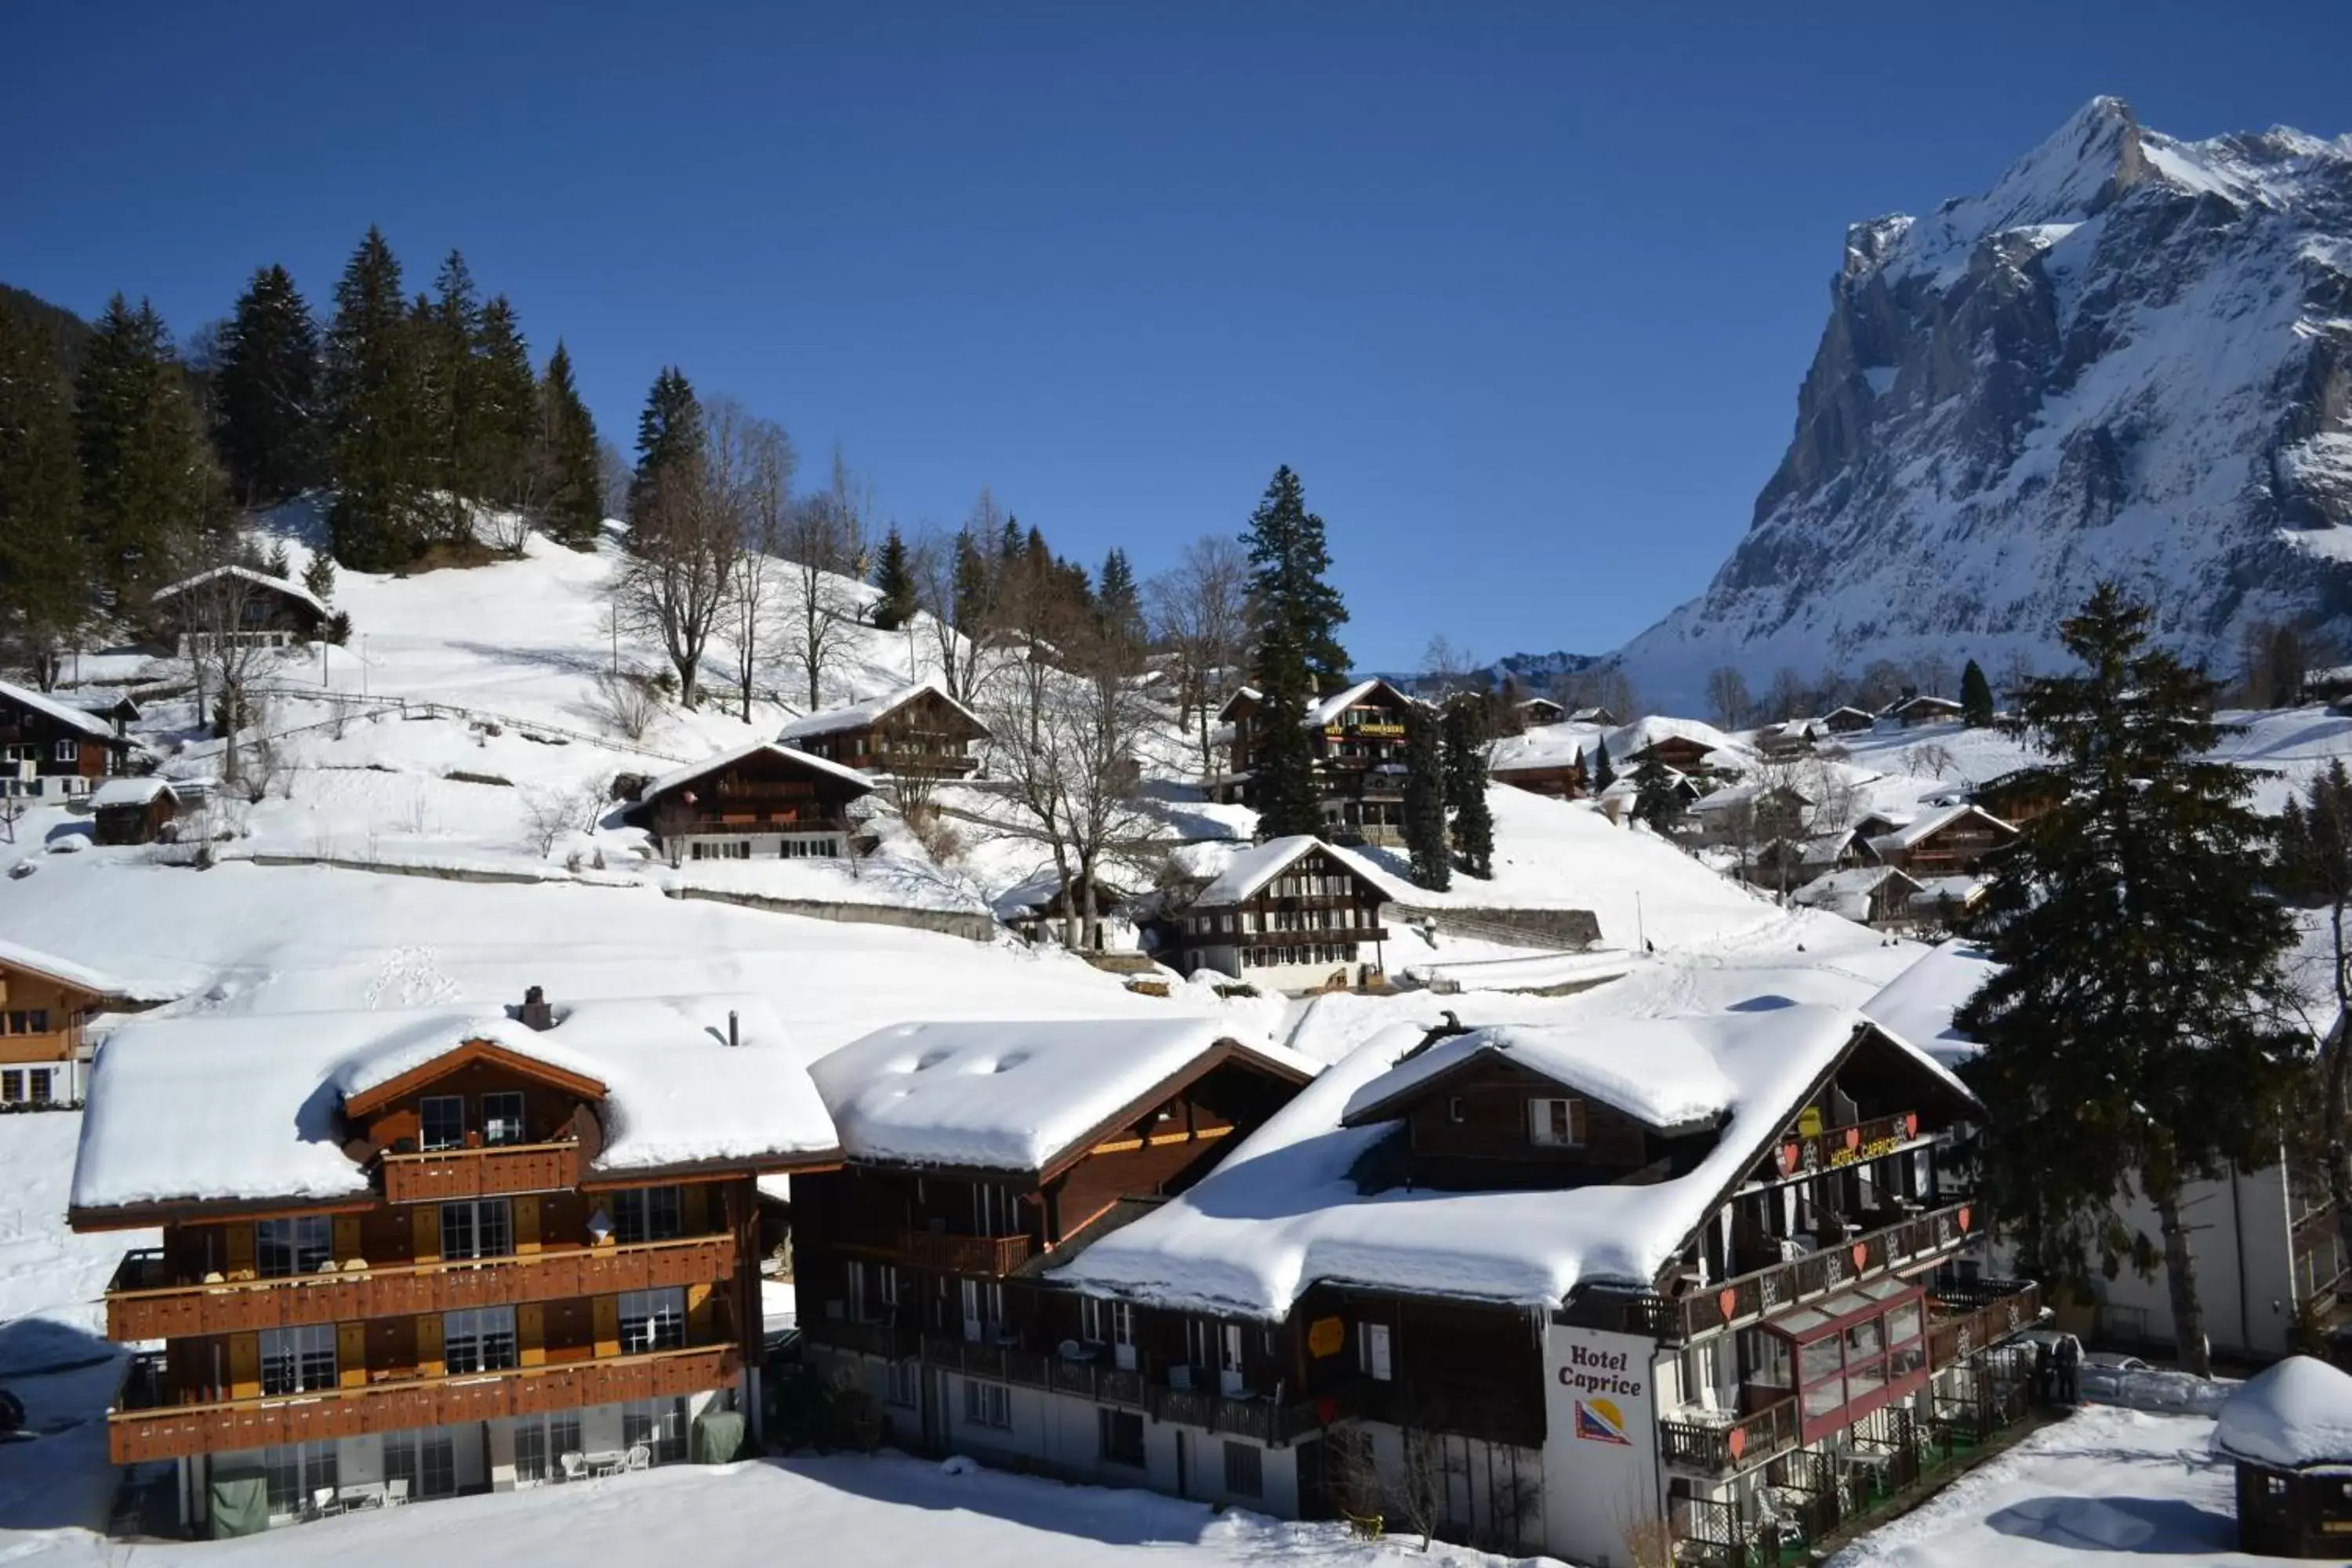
<point x="295" y="1474"/>
<point x="12" y="1085"/>
<point x="1555" y="1123"/>
<point x="872" y="1290"/>
<point x="983" y="1308"/>
<point x="653" y="1319"/>
<point x="541" y="1443"/>
<point x="38" y="1081"/>
<point x="987" y="1404"/>
<point x="502" y="1117"/>
<point x="659" y="1424"/>
<point x="1122" y="1436"/>
<point x="482" y="1228"/>
<point x="426" y="1460"/>
<point x="1372" y="1351"/>
<point x="288" y="1247"/>
<point x="24" y="1021"/>
<point x="648" y="1213"/>
<point x="480" y="1339"/>
<point x="1245" y="1470"/>
<point x="902" y="1384"/>
<point x="442" y="1123"/>
<point x="294" y="1361"/>
<point x="68" y="752"/>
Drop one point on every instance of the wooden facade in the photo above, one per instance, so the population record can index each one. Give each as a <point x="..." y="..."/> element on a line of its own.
<point x="1957" y="846"/>
<point x="1561" y="781"/>
<point x="268" y="610"/>
<point x="1358" y="738"/>
<point x="49" y="747"/>
<point x="920" y="733"/>
<point x="1305" y="928"/>
<point x="44" y="1051"/>
<point x="765" y="802"/>
<point x="145" y="809"/>
<point x="1680" y="752"/>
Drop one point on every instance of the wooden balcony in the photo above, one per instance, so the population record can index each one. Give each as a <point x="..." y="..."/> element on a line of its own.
<point x="441" y="1175"/>
<point x="1908" y="1245"/>
<point x="943" y="1252"/>
<point x="148" y="1422"/>
<point x="1711" y="1448"/>
<point x="1966" y="1319"/>
<point x="1267" y="1419"/>
<point x="1833" y="1148"/>
<point x="143" y="1303"/>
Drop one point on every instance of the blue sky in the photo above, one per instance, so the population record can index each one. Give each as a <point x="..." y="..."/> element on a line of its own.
<point x="1524" y="292"/>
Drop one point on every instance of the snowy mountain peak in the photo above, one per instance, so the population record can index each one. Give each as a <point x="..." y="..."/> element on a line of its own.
<point x="2131" y="356"/>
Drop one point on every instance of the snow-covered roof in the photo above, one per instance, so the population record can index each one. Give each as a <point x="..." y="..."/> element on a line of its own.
<point x="49" y="707"/>
<point x="1642" y="733"/>
<point x="1928" y="824"/>
<point x="261" y="579"/>
<point x="1919" y="1004"/>
<point x="1736" y="794"/>
<point x="1823" y="848"/>
<point x="1008" y="1096"/>
<point x="1241" y="694"/>
<point x="101" y="982"/>
<point x="859" y="715"/>
<point x="1660" y="1071"/>
<point x="230" y="1107"/>
<point x="1954" y="889"/>
<point x="689" y="771"/>
<point x="130" y="792"/>
<point x="1284" y="1211"/>
<point x="1328" y="710"/>
<point x="2294" y="1415"/>
<point x="1254" y="868"/>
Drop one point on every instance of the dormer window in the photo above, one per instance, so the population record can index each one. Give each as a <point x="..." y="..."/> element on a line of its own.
<point x="441" y="1121"/>
<point x="1555" y="1123"/>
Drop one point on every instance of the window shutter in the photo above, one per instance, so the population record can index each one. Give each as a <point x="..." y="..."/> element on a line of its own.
<point x="1576" y="1122"/>
<point x="697" y="1312"/>
<point x="530" y="1333"/>
<point x="245" y="1364"/>
<point x="526" y="1222"/>
<point x="693" y="1208"/>
<point x="347" y="1237"/>
<point x="429" y="1360"/>
<point x="350" y="1354"/>
<point x="239" y="1242"/>
<point x="604" y="1314"/>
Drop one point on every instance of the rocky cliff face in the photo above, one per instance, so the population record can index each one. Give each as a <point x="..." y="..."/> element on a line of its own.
<point x="2131" y="358"/>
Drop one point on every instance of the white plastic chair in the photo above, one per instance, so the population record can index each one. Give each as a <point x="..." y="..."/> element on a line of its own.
<point x="640" y="1457"/>
<point x="322" y="1501"/>
<point x="395" y="1491"/>
<point x="575" y="1465"/>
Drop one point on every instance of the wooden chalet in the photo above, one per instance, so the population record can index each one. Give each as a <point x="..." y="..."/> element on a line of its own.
<point x="1951" y="841"/>
<point x="1868" y="895"/>
<point x="759" y="802"/>
<point x="133" y="810"/>
<point x="2284" y="1432"/>
<point x="1291" y="914"/>
<point x="916" y="732"/>
<point x="50" y="748"/>
<point x="1562" y="777"/>
<point x="1918" y="708"/>
<point x="1751" y="813"/>
<point x="1600" y="716"/>
<point x="47" y="1005"/>
<point x="979" y="1156"/>
<point x="1848" y="721"/>
<point x="1808" y="1332"/>
<point x="1539" y="711"/>
<point x="269" y="611"/>
<point x="1680" y="753"/>
<point x="404" y="1255"/>
<point x="1358" y="738"/>
<point x="2019" y="798"/>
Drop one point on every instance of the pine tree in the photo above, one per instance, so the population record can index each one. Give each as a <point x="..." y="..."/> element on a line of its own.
<point x="279" y="563"/>
<point x="1654" y="800"/>
<point x="891" y="575"/>
<point x="319" y="577"/>
<point x="569" y="487"/>
<point x="506" y="411"/>
<point x="378" y="430"/>
<point x="448" y="330"/>
<point x="149" y="485"/>
<point x="267" y="419"/>
<point x="1603" y="775"/>
<point x="1296" y="654"/>
<point x="2130" y="1038"/>
<point x="1465" y="786"/>
<point x="1976" y="698"/>
<point x="669" y="439"/>
<point x="1424" y="799"/>
<point x="45" y="588"/>
<point x="1118" y="603"/>
<point x="2316" y="871"/>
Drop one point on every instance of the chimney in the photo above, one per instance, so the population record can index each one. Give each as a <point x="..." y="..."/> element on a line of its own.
<point x="535" y="1010"/>
<point x="734" y="1033"/>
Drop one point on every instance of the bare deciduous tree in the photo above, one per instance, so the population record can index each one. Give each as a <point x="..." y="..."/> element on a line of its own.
<point x="1726" y="695"/>
<point x="1931" y="758"/>
<point x="625" y="703"/>
<point x="1445" y="667"/>
<point x="823" y="545"/>
<point x="554" y="814"/>
<point x="1200" y="612"/>
<point x="683" y="547"/>
<point x="1787" y="697"/>
<point x="1933" y="674"/>
<point x="754" y="459"/>
<point x="224" y="652"/>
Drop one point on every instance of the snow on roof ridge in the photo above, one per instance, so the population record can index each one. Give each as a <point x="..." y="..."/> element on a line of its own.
<point x="688" y="771"/>
<point x="128" y="790"/>
<point x="104" y="983"/>
<point x="1254" y="868"/>
<point x="41" y="702"/>
<point x="825" y="722"/>
<point x="1660" y="1072"/>
<point x="290" y="589"/>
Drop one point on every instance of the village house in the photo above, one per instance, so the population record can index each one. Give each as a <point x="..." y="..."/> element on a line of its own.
<point x="759" y="802"/>
<point x="1358" y="738"/>
<point x="1540" y="764"/>
<point x="979" y="1154"/>
<point x="1289" y="915"/>
<point x="1847" y="721"/>
<point x="125" y="810"/>
<point x="1948" y="841"/>
<point x="917" y="731"/>
<point x="49" y="747"/>
<point x="1868" y="895"/>
<point x="1750" y="813"/>
<point x="268" y="611"/>
<point x="1785" y="742"/>
<point x="1916" y="709"/>
<point x="1688" y="747"/>
<point x="2019" y="798"/>
<point x="50" y="1010"/>
<point x="1535" y="711"/>
<point x="1735" y="1291"/>
<point x="1600" y="716"/>
<point x="1032" y="909"/>
<point x="405" y="1255"/>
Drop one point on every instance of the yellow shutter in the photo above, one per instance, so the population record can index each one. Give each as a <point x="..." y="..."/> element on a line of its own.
<point x="428" y="1232"/>
<point x="698" y="1313"/>
<point x="693" y="1208"/>
<point x="238" y="1238"/>
<point x="604" y="1316"/>
<point x="347" y="1237"/>
<point x="350" y="1354"/>
<point x="428" y="1345"/>
<point x="530" y="1333"/>
<point x="526" y="1222"/>
<point x="244" y="1365"/>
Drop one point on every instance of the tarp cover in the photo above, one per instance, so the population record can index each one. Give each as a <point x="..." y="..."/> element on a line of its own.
<point x="717" y="1436"/>
<point x="239" y="1504"/>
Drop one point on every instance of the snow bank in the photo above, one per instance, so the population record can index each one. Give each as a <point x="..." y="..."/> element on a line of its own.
<point x="2293" y="1415"/>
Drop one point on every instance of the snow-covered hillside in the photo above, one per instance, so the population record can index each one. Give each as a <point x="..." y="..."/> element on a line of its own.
<point x="2130" y="358"/>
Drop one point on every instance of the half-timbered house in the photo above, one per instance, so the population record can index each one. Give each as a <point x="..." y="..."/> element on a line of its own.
<point x="917" y="731"/>
<point x="1290" y="915"/>
<point x="410" y="1254"/>
<point x="759" y="802"/>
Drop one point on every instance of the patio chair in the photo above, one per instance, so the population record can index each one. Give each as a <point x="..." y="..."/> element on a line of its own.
<point x="640" y="1457"/>
<point x="395" y="1491"/>
<point x="574" y="1465"/>
<point x="322" y="1502"/>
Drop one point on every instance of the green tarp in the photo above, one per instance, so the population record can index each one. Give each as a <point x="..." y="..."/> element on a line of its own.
<point x="239" y="1504"/>
<point x="717" y="1436"/>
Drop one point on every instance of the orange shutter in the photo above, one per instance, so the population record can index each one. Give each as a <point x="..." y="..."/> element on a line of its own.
<point x="530" y="1333"/>
<point x="698" y="1313"/>
<point x="347" y="1237"/>
<point x="244" y="1365"/>
<point x="350" y="1354"/>
<point x="526" y="1222"/>
<point x="239" y="1241"/>
<point x="604" y="1316"/>
<point x="429" y="1361"/>
<point x="428" y="1232"/>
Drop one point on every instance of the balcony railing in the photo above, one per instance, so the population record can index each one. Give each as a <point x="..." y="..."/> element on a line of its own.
<point x="1968" y="1319"/>
<point x="1919" y="1239"/>
<point x="440" y="1175"/>
<point x="1723" y="1448"/>
<point x="1267" y="1419"/>
<point x="1835" y="1147"/>
<point x="145" y="1303"/>
<point x="943" y="1252"/>
<point x="148" y="1423"/>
